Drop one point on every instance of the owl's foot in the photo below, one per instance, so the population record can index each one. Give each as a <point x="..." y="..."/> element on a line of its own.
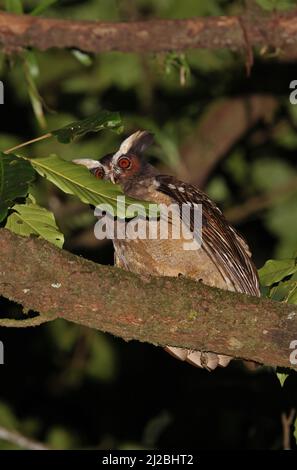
<point x="205" y="360"/>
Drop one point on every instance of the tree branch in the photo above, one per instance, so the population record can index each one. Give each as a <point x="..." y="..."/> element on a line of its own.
<point x="162" y="311"/>
<point x="232" y="32"/>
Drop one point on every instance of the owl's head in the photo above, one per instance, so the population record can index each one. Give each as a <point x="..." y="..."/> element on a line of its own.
<point x="126" y="163"/>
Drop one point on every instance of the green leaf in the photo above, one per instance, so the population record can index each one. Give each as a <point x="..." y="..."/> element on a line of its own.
<point x="15" y="176"/>
<point x="82" y="57"/>
<point x="42" y="6"/>
<point x="7" y="417"/>
<point x="14" y="6"/>
<point x="3" y="212"/>
<point x="282" y="378"/>
<point x="77" y="180"/>
<point x="295" y="430"/>
<point x="285" y="4"/>
<point x="267" y="173"/>
<point x="275" y="270"/>
<point x="59" y="438"/>
<point x="31" y="219"/>
<point x="179" y="62"/>
<point x="283" y="291"/>
<point x="95" y="123"/>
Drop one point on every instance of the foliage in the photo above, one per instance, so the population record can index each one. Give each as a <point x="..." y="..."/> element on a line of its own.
<point x="275" y="270"/>
<point x="16" y="174"/>
<point x="76" y="180"/>
<point x="281" y="278"/>
<point x="71" y="387"/>
<point x="270" y="5"/>
<point x="95" y="123"/>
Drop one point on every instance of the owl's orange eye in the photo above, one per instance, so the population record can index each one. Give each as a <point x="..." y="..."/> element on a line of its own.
<point x="124" y="163"/>
<point x="98" y="173"/>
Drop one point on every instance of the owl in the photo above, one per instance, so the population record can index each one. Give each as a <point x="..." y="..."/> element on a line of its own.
<point x="222" y="259"/>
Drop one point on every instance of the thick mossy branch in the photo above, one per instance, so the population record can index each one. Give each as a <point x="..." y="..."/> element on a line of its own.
<point x="162" y="311"/>
<point x="236" y="33"/>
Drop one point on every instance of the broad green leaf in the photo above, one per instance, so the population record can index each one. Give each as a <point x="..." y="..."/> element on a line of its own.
<point x="31" y="219"/>
<point x="15" y="176"/>
<point x="14" y="6"/>
<point x="282" y="378"/>
<point x="101" y="364"/>
<point x="295" y="430"/>
<point x="42" y="6"/>
<point x="77" y="180"/>
<point x="275" y="270"/>
<point x="177" y="61"/>
<point x="95" y="123"/>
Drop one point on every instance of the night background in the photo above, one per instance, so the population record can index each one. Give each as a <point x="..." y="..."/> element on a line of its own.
<point x="230" y="132"/>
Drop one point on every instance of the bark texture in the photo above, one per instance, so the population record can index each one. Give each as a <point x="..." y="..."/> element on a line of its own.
<point x="162" y="311"/>
<point x="232" y="32"/>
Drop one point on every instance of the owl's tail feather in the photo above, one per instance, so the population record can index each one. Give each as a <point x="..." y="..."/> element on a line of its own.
<point x="205" y="360"/>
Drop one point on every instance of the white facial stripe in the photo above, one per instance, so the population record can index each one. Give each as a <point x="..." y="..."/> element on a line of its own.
<point x="87" y="162"/>
<point x="126" y="146"/>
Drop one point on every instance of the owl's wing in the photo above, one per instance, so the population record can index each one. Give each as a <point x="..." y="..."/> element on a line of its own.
<point x="222" y="243"/>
